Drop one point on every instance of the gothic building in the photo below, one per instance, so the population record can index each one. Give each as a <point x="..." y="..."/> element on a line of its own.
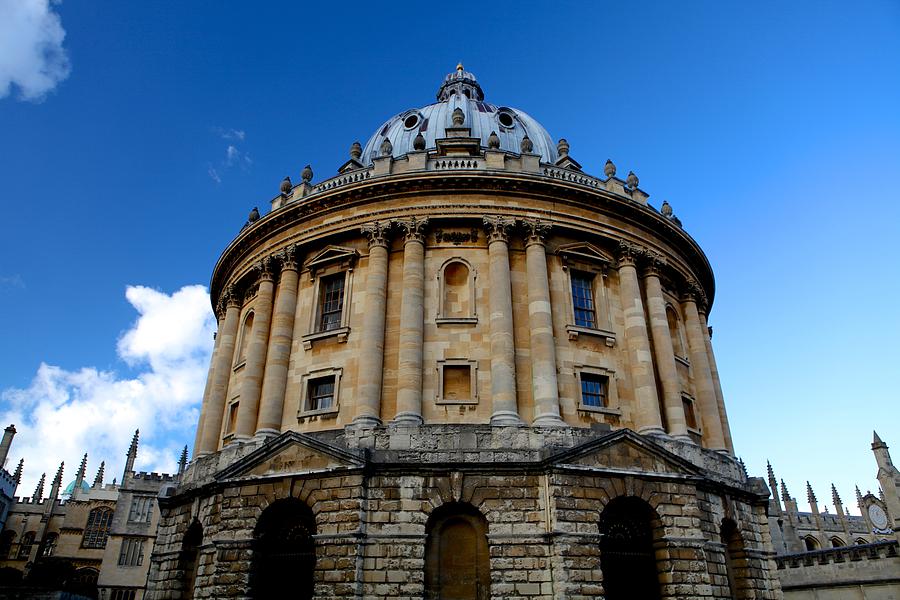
<point x="463" y="368"/>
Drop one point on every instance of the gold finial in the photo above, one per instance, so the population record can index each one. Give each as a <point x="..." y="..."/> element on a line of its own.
<point x="459" y="67"/>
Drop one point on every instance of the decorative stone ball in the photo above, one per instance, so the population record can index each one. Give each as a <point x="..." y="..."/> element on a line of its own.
<point x="494" y="141"/>
<point x="306" y="174"/>
<point x="458" y="117"/>
<point x="563" y="147"/>
<point x="609" y="168"/>
<point x="527" y="145"/>
<point x="254" y="215"/>
<point x="355" y="150"/>
<point x="386" y="147"/>
<point x="419" y="142"/>
<point x="286" y="185"/>
<point x="666" y="209"/>
<point x="632" y="180"/>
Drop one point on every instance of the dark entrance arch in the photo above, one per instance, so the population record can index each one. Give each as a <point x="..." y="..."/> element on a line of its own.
<point x="284" y="553"/>
<point x="626" y="550"/>
<point x="189" y="558"/>
<point x="457" y="562"/>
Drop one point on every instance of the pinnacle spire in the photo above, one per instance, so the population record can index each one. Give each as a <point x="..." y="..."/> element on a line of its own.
<point x="18" y="474"/>
<point x="39" y="490"/>
<point x="57" y="479"/>
<point x="98" y="480"/>
<point x="876" y="439"/>
<point x="785" y="495"/>
<point x="858" y="497"/>
<point x="810" y="495"/>
<point x="132" y="449"/>
<point x="182" y="461"/>
<point x="835" y="497"/>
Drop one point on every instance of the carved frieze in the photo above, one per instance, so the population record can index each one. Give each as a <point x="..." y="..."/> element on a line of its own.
<point x="456" y="237"/>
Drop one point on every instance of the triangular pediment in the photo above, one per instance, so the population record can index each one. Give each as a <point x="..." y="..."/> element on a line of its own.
<point x="291" y="453"/>
<point x="624" y="450"/>
<point x="350" y="165"/>
<point x="330" y="255"/>
<point x="567" y="162"/>
<point x="584" y="251"/>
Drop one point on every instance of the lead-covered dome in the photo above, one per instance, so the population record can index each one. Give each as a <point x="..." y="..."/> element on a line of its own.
<point x="461" y="90"/>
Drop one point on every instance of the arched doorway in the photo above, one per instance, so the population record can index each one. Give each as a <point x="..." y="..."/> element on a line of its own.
<point x="626" y="550"/>
<point x="457" y="562"/>
<point x="735" y="559"/>
<point x="284" y="554"/>
<point x="189" y="559"/>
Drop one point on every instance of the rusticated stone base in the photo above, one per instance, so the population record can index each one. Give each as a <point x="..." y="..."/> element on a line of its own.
<point x="540" y="493"/>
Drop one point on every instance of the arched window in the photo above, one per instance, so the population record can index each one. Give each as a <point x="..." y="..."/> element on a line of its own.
<point x="859" y="542"/>
<point x="189" y="559"/>
<point x="457" y="301"/>
<point x="675" y="332"/>
<point x="6" y="543"/>
<point x="627" y="558"/>
<point x="97" y="529"/>
<point x="25" y="545"/>
<point x="84" y="582"/>
<point x="246" y="331"/>
<point x="811" y="543"/>
<point x="457" y="561"/>
<point x="284" y="553"/>
<point x="837" y="542"/>
<point x="49" y="544"/>
<point x="735" y="559"/>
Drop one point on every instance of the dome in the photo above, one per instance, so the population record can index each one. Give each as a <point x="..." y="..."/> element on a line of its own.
<point x="71" y="488"/>
<point x="461" y="90"/>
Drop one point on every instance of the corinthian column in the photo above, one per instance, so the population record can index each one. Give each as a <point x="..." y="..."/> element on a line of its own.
<point x="251" y="381"/>
<point x="664" y="354"/>
<point x="646" y="415"/>
<point x="204" y="406"/>
<point x="703" y="382"/>
<point x="717" y="385"/>
<point x="371" y="341"/>
<point x="212" y="424"/>
<point x="545" y="387"/>
<point x="280" y="341"/>
<point x="503" y="350"/>
<point x="412" y="323"/>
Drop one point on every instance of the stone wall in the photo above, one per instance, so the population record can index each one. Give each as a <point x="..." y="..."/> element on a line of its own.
<point x="862" y="572"/>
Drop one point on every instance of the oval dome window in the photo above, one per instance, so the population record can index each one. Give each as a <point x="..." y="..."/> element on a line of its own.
<point x="411" y="121"/>
<point x="506" y="119"/>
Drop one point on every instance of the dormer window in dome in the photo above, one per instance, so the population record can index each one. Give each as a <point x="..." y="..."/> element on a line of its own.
<point x="412" y="120"/>
<point x="506" y="118"/>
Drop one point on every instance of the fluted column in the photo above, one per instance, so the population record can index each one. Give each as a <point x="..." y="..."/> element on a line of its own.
<point x="663" y="351"/>
<point x="545" y="387"/>
<point x="412" y="323"/>
<point x="646" y="416"/>
<point x="251" y="381"/>
<point x="717" y="384"/>
<point x="703" y="382"/>
<point x="371" y="341"/>
<point x="281" y="339"/>
<point x="503" y="350"/>
<point x="212" y="424"/>
<point x="210" y="377"/>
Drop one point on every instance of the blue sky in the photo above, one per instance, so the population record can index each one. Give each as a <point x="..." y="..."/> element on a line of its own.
<point x="136" y="136"/>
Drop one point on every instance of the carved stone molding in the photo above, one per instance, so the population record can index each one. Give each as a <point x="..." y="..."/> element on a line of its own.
<point x="498" y="228"/>
<point x="288" y="258"/>
<point x="536" y="231"/>
<point x="413" y="228"/>
<point x="628" y="254"/>
<point x="264" y="269"/>
<point x="455" y="237"/>
<point x="377" y="233"/>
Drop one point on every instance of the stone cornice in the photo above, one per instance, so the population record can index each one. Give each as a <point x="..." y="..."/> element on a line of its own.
<point x="379" y="191"/>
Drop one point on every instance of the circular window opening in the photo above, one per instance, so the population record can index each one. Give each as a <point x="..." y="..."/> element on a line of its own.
<point x="411" y="121"/>
<point x="506" y="119"/>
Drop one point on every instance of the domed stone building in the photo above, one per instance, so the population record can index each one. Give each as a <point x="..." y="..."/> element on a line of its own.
<point x="463" y="368"/>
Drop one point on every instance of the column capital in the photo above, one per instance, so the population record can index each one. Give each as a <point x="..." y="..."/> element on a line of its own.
<point x="536" y="231"/>
<point x="377" y="233"/>
<point x="228" y="298"/>
<point x="498" y="228"/>
<point x="413" y="229"/>
<point x="692" y="292"/>
<point x="264" y="269"/>
<point x="652" y="263"/>
<point x="628" y="254"/>
<point x="288" y="258"/>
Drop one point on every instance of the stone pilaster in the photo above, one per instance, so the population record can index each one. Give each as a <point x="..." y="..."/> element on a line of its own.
<point x="717" y="385"/>
<point x="371" y="344"/>
<point x="412" y="323"/>
<point x="503" y="349"/>
<point x="664" y="353"/>
<point x="703" y="382"/>
<point x="281" y="340"/>
<point x="251" y="380"/>
<point x="212" y="424"/>
<point x="545" y="387"/>
<point x="646" y="416"/>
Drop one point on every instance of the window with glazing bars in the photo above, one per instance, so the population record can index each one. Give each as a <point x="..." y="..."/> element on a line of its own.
<point x="122" y="594"/>
<point x="132" y="552"/>
<point x="141" y="509"/>
<point x="321" y="393"/>
<point x="593" y="389"/>
<point x="331" y="302"/>
<point x="583" y="300"/>
<point x="97" y="529"/>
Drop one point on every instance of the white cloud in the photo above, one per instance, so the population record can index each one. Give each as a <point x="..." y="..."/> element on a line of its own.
<point x="32" y="58"/>
<point x="230" y="134"/>
<point x="64" y="414"/>
<point x="12" y="281"/>
<point x="213" y="174"/>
